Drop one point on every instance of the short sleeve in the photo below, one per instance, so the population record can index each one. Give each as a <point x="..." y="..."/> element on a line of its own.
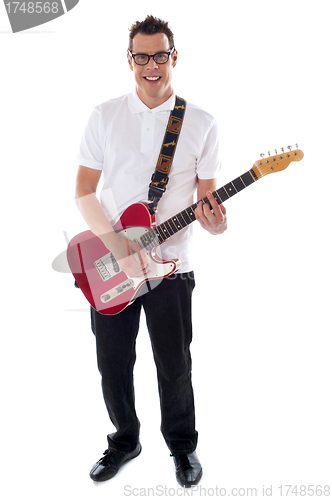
<point x="91" y="151"/>
<point x="209" y="163"/>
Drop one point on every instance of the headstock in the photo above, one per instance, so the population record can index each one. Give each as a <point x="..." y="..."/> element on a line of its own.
<point x="276" y="163"/>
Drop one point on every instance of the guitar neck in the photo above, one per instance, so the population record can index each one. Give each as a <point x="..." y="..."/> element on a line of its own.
<point x="171" y="226"/>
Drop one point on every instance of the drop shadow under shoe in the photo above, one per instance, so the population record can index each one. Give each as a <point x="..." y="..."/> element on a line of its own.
<point x="110" y="463"/>
<point x="187" y="468"/>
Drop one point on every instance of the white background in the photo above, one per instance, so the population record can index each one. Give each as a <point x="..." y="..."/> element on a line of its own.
<point x="262" y="327"/>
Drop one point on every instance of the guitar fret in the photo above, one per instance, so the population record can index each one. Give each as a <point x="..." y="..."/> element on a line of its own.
<point x="226" y="192"/>
<point x="183" y="223"/>
<point x="222" y="195"/>
<point x="165" y="233"/>
<point x="243" y="181"/>
<point x="171" y="225"/>
<point x="253" y="175"/>
<point x="160" y="232"/>
<point x="190" y="215"/>
<point x="160" y="236"/>
<point x="230" y="189"/>
<point x="239" y="184"/>
<point x="167" y="228"/>
<point x="221" y="200"/>
<point x="234" y="187"/>
<point x="179" y="225"/>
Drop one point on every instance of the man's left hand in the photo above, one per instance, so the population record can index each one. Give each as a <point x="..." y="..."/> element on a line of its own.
<point x="215" y="220"/>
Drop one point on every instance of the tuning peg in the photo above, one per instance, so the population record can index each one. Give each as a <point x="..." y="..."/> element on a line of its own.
<point x="289" y="147"/>
<point x="296" y="146"/>
<point x="262" y="155"/>
<point x="276" y="151"/>
<point x="269" y="153"/>
<point x="282" y="149"/>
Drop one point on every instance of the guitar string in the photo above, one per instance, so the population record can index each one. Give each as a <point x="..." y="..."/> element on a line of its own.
<point x="166" y="226"/>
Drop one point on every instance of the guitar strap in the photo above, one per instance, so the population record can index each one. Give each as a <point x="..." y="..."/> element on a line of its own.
<point x="160" y="177"/>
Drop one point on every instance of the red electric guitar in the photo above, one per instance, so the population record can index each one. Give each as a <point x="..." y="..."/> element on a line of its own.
<point x="108" y="289"/>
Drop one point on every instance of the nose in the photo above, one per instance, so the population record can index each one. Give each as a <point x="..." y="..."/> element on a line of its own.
<point x="152" y="64"/>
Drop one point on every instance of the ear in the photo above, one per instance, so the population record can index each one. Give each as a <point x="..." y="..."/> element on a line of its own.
<point x="174" y="58"/>
<point x="130" y="62"/>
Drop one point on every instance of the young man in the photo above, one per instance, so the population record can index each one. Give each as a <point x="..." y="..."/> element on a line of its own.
<point x="123" y="139"/>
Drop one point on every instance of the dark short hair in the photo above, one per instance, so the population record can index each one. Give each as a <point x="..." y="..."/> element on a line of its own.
<point x="150" y="26"/>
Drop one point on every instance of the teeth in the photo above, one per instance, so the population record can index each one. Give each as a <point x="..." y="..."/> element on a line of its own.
<point x="153" y="78"/>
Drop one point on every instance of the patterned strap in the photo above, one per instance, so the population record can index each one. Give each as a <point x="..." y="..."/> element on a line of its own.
<point x="159" y="178"/>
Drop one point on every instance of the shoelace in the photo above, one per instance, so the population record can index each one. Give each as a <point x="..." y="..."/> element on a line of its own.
<point x="107" y="455"/>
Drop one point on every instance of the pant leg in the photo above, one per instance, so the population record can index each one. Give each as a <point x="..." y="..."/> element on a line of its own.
<point x="168" y="314"/>
<point x="116" y="355"/>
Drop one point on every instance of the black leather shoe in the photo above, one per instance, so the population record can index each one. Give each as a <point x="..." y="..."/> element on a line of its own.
<point x="188" y="469"/>
<point x="110" y="463"/>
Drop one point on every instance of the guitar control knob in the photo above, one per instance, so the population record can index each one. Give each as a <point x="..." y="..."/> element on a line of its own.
<point x="104" y="298"/>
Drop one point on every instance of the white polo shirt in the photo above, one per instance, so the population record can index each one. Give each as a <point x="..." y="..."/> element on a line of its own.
<point x="123" y="138"/>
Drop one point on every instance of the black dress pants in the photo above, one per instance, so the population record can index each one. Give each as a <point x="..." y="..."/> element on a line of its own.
<point x="168" y="314"/>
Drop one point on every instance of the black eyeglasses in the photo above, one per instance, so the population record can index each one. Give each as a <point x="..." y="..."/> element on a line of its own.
<point x="159" y="58"/>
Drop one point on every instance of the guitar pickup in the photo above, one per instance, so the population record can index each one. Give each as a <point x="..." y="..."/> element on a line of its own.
<point x="116" y="291"/>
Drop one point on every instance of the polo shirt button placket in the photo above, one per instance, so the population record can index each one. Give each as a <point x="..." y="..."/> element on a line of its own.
<point x="147" y="136"/>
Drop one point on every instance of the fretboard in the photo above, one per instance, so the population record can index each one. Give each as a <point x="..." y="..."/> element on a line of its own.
<point x="166" y="229"/>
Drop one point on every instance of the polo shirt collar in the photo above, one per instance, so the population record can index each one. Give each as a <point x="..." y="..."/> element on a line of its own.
<point x="137" y="106"/>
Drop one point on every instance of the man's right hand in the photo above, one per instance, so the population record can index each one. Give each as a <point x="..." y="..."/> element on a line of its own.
<point x="132" y="259"/>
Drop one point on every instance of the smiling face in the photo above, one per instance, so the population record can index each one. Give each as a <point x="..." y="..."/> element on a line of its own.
<point x="153" y="80"/>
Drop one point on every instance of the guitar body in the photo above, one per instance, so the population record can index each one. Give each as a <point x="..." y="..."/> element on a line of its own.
<point x="108" y="289"/>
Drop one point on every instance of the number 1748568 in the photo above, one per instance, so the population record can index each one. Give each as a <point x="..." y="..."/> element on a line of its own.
<point x="32" y="7"/>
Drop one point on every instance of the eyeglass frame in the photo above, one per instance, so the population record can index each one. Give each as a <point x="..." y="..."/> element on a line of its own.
<point x="169" y="52"/>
